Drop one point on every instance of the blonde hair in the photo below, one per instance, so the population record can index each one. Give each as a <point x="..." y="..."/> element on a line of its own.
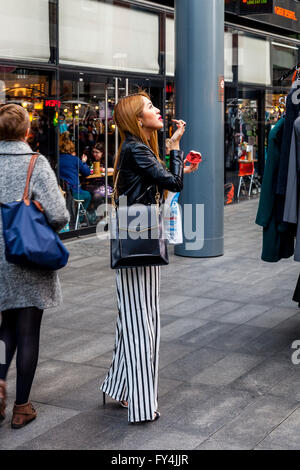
<point x="14" y="122"/>
<point x="126" y="114"/>
<point x="65" y="143"/>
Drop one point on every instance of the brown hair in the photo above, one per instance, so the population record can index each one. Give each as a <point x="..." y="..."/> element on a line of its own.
<point x="126" y="114"/>
<point x="14" y="122"/>
<point x="99" y="146"/>
<point x="65" y="143"/>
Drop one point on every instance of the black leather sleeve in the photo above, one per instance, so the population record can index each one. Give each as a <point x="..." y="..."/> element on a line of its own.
<point x="150" y="168"/>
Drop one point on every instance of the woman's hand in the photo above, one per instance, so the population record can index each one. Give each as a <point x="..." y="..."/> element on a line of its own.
<point x="84" y="158"/>
<point x="191" y="168"/>
<point x="175" y="139"/>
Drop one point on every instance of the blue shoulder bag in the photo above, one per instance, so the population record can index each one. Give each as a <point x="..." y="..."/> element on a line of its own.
<point x="29" y="239"/>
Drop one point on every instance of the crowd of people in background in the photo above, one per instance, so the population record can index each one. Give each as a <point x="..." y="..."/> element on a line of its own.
<point x="74" y="169"/>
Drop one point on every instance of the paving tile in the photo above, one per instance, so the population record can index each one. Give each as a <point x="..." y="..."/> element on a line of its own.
<point x="256" y="421"/>
<point x="286" y="434"/>
<point x="269" y="342"/>
<point x="208" y="410"/>
<point x="227" y="369"/>
<point x="169" y="288"/>
<point x="180" y="327"/>
<point x="216" y="310"/>
<point x="265" y="376"/>
<point x="103" y="432"/>
<point x="168" y="304"/>
<point x="244" y="314"/>
<point x="74" y="345"/>
<point x="48" y="418"/>
<point x="55" y="377"/>
<point x="289" y="387"/>
<point x="272" y="317"/>
<point x="189" y="306"/>
<point x="76" y="433"/>
<point x="187" y="367"/>
<point x="207" y="333"/>
<point x="269" y="446"/>
<point x="172" y="351"/>
<point x="86" y="318"/>
<point x="237" y="337"/>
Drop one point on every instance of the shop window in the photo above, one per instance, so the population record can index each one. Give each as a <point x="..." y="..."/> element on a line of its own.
<point x="170" y="46"/>
<point x="86" y="118"/>
<point x="102" y="35"/>
<point x="254" y="60"/>
<point x="36" y="92"/>
<point x="170" y="51"/>
<point x="228" y="62"/>
<point x="284" y="58"/>
<point x="25" y="31"/>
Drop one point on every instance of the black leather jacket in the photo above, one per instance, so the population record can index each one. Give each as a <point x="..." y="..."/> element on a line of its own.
<point x="141" y="172"/>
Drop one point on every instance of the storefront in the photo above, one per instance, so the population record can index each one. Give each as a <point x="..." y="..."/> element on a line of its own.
<point x="259" y="50"/>
<point x="68" y="62"/>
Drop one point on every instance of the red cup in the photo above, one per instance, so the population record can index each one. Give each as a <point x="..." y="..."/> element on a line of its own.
<point x="194" y="157"/>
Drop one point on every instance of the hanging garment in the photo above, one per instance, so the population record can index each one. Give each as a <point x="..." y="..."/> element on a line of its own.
<point x="291" y="207"/>
<point x="296" y="295"/>
<point x="292" y="112"/>
<point x="278" y="239"/>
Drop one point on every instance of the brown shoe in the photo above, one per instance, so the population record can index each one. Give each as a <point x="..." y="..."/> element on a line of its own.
<point x="2" y="399"/>
<point x="22" y="415"/>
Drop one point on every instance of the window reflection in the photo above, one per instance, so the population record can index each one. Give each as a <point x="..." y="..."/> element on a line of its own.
<point x="36" y="92"/>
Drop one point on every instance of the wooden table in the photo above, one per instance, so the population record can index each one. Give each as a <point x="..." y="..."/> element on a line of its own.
<point x="100" y="175"/>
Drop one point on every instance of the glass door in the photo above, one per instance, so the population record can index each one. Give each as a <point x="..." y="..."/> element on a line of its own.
<point x="86" y="115"/>
<point x="86" y="119"/>
<point x="244" y="134"/>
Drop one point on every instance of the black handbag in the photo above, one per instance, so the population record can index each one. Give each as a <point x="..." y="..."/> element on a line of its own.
<point x="137" y="237"/>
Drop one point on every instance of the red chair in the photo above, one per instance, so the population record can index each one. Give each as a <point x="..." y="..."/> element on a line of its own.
<point x="245" y="170"/>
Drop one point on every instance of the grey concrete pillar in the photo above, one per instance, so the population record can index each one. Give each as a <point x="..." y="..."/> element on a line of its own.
<point x="200" y="102"/>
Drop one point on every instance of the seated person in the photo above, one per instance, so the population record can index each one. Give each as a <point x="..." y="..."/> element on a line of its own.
<point x="98" y="155"/>
<point x="70" y="166"/>
<point x="98" y="187"/>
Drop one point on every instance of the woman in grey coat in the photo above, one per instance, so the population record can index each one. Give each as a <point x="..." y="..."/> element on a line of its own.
<point x="24" y="292"/>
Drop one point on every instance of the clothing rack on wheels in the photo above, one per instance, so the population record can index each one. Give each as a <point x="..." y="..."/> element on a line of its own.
<point x="279" y="211"/>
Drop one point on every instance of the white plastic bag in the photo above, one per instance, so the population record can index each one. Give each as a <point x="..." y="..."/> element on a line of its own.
<point x="172" y="219"/>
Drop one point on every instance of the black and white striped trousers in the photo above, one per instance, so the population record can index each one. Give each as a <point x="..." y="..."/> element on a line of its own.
<point x="133" y="375"/>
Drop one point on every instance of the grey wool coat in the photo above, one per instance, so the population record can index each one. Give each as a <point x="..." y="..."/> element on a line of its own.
<point x="292" y="206"/>
<point x="22" y="287"/>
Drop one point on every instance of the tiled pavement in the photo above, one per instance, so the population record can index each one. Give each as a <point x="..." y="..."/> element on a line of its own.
<point x="226" y="376"/>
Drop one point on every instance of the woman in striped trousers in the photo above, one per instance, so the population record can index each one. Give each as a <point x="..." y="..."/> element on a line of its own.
<point x="135" y="359"/>
<point x="133" y="376"/>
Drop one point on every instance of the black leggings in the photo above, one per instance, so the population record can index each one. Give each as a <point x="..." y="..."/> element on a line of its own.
<point x="20" y="330"/>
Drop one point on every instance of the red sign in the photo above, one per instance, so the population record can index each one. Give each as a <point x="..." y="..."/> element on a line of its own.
<point x="221" y="88"/>
<point x="52" y="103"/>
